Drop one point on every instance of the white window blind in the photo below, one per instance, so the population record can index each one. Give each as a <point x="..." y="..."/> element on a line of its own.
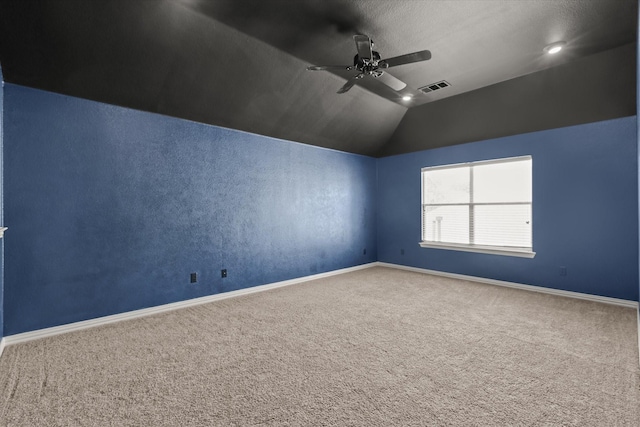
<point x="485" y="204"/>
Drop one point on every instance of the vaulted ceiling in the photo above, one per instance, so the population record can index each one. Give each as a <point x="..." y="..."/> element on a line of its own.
<point x="242" y="63"/>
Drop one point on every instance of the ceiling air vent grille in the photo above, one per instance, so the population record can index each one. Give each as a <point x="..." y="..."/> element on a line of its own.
<point x="435" y="86"/>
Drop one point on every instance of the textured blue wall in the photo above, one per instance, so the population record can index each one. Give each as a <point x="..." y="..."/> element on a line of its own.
<point x="111" y="209"/>
<point x="585" y="209"/>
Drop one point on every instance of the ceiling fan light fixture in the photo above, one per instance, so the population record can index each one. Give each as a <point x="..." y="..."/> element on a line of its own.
<point x="369" y="65"/>
<point x="554" y="47"/>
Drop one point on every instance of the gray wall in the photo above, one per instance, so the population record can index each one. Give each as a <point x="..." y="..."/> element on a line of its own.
<point x="1" y="206"/>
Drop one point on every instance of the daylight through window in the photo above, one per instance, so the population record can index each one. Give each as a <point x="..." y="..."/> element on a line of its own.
<point x="481" y="206"/>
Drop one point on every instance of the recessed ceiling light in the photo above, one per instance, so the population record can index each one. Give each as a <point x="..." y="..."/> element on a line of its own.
<point x="406" y="98"/>
<point x="554" y="47"/>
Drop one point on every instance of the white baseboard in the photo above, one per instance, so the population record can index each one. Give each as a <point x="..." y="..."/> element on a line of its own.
<point x="570" y="294"/>
<point x="76" y="326"/>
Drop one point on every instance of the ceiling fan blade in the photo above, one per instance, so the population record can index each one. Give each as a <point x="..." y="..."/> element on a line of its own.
<point x="423" y="55"/>
<point x="363" y="44"/>
<point x="350" y="83"/>
<point x="392" y="82"/>
<point x="330" y="67"/>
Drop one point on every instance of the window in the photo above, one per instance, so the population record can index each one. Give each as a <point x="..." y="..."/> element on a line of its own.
<point x="479" y="207"/>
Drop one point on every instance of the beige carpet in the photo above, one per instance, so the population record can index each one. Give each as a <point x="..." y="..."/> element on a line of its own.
<point x="377" y="347"/>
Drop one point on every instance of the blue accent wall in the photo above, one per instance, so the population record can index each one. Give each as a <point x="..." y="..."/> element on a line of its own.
<point x="111" y="209"/>
<point x="585" y="209"/>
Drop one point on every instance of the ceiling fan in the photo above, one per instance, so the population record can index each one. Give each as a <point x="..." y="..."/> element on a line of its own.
<point x="368" y="64"/>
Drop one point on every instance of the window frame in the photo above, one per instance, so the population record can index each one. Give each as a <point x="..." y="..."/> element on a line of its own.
<point x="472" y="247"/>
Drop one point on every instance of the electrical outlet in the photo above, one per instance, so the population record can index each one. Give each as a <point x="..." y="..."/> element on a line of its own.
<point x="401" y="251"/>
<point x="193" y="277"/>
<point x="223" y="273"/>
<point x="563" y="271"/>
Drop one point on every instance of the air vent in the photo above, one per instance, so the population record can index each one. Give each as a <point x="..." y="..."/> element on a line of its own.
<point x="434" y="86"/>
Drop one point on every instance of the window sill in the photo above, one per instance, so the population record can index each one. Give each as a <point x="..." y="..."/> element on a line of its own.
<point x="493" y="250"/>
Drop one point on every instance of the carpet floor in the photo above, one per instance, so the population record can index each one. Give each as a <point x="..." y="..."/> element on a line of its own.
<point x="375" y="347"/>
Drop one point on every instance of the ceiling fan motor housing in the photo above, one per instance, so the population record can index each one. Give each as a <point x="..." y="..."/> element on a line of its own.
<point x="362" y="63"/>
